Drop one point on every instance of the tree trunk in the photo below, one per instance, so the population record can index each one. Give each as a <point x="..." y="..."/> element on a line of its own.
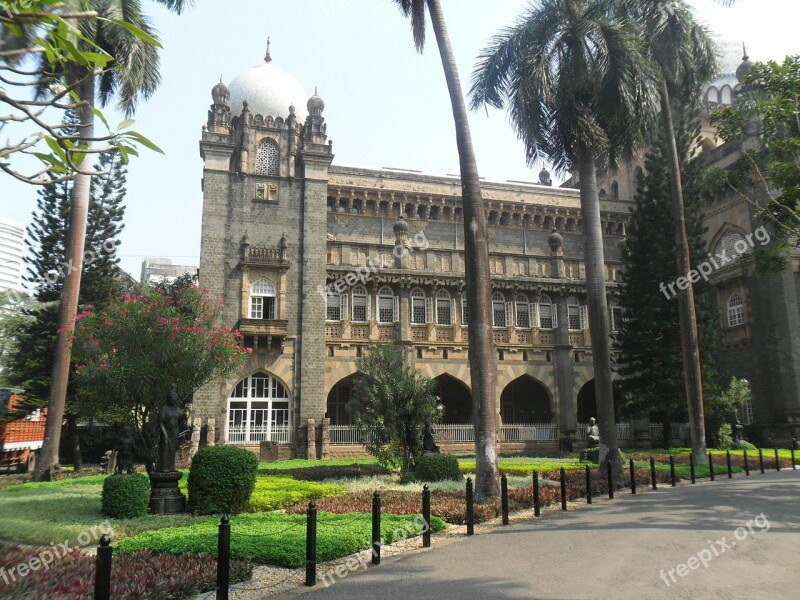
<point x="599" y="327"/>
<point x="68" y="308"/>
<point x="689" y="342"/>
<point x="74" y="442"/>
<point x="483" y="370"/>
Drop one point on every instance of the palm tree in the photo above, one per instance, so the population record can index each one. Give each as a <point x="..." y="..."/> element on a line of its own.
<point x="483" y="370"/>
<point x="133" y="74"/>
<point x="685" y="56"/>
<point x="578" y="88"/>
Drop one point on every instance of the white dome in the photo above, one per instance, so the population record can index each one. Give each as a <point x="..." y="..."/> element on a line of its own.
<point x="269" y="91"/>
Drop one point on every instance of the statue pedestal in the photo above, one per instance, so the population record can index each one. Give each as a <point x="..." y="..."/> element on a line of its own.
<point x="165" y="497"/>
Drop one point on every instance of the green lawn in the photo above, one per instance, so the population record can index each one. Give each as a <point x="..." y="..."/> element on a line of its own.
<point x="523" y="466"/>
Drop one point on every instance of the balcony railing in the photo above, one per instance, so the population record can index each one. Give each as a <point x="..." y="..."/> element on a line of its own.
<point x="238" y="434"/>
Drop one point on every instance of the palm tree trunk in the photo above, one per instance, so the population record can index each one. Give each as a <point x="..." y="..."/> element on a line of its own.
<point x="688" y="320"/>
<point x="476" y="258"/>
<point x="68" y="308"/>
<point x="594" y="258"/>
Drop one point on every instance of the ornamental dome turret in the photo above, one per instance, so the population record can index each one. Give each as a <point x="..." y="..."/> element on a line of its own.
<point x="555" y="240"/>
<point x="315" y="104"/>
<point x="220" y="93"/>
<point x="401" y="226"/>
<point x="269" y="90"/>
<point x="743" y="68"/>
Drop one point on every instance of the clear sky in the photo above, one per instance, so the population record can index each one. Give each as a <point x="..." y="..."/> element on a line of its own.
<point x="386" y="105"/>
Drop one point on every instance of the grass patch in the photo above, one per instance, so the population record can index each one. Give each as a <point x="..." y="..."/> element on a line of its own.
<point x="278" y="538"/>
<point x="301" y="463"/>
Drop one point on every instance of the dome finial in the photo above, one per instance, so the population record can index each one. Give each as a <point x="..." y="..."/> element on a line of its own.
<point x="268" y="56"/>
<point x="744" y="52"/>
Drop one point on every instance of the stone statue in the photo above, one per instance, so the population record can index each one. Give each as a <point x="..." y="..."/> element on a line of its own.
<point x="428" y="444"/>
<point x="738" y="431"/>
<point x="592" y="434"/>
<point x="169" y="428"/>
<point x="125" y="448"/>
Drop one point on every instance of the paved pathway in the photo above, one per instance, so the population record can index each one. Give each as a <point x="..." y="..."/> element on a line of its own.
<point x="631" y="547"/>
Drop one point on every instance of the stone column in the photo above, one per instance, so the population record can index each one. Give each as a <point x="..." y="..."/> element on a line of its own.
<point x="326" y="437"/>
<point x="311" y="439"/>
<point x="211" y="433"/>
<point x="194" y="444"/>
<point x="564" y="376"/>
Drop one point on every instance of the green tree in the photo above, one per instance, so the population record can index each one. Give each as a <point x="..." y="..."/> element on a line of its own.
<point x="122" y="31"/>
<point x="763" y="125"/>
<point x="128" y="353"/>
<point x="684" y="56"/>
<point x="724" y="405"/>
<point x="652" y="372"/>
<point x="391" y="404"/>
<point x="13" y="316"/>
<point x="578" y="88"/>
<point x="483" y="370"/>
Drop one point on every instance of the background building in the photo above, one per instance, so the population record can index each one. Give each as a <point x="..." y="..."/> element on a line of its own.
<point x="12" y="246"/>
<point x="161" y="270"/>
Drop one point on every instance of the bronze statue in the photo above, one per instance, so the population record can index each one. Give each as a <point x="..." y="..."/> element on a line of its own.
<point x="125" y="448"/>
<point x="169" y="428"/>
<point x="428" y="444"/>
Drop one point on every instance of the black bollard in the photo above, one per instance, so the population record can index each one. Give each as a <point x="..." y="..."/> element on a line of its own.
<point x="777" y="461"/>
<point x="794" y="468"/>
<point x="426" y="516"/>
<point x="746" y="465"/>
<point x="311" y="544"/>
<point x="728" y="461"/>
<point x="470" y="509"/>
<point x="102" y="570"/>
<point x="588" y="485"/>
<point x="761" y="460"/>
<point x="376" y="526"/>
<point x="563" y="489"/>
<point x="223" y="557"/>
<point x="691" y="466"/>
<point x="710" y="466"/>
<point x="653" y="473"/>
<point x="536" y="504"/>
<point x="672" y="470"/>
<point x="633" y="477"/>
<point x="610" y="480"/>
<point x="504" y="497"/>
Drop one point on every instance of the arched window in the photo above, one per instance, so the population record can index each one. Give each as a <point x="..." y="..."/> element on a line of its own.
<point x="258" y="411"/>
<point x="464" y="310"/>
<point x="268" y="158"/>
<point x="730" y="246"/>
<point x="735" y="310"/>
<point x="420" y="311"/>
<point x="445" y="307"/>
<point x="263" y="300"/>
<point x="387" y="305"/>
<point x="500" y="318"/>
<point x="523" y="311"/>
<point x="333" y="309"/>
<point x="547" y="316"/>
<point x="360" y="304"/>
<point x="574" y="314"/>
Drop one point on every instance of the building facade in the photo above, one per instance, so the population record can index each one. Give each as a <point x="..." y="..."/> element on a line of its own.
<point x="161" y="270"/>
<point x="315" y="261"/>
<point x="12" y="247"/>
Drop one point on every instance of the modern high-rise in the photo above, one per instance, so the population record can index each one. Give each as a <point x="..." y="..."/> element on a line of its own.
<point x="12" y="245"/>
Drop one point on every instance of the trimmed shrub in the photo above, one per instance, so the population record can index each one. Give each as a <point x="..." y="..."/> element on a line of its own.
<point x="437" y="467"/>
<point x="221" y="480"/>
<point x="126" y="496"/>
<point x="354" y="471"/>
<point x="744" y="445"/>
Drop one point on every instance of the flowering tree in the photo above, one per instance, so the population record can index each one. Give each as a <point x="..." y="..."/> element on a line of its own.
<point x="128" y="353"/>
<point x="391" y="404"/>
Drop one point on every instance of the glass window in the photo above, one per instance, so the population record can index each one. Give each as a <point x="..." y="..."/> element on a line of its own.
<point x="546" y="320"/>
<point x="260" y="411"/>
<point x="262" y="300"/>
<point x="523" y="312"/>
<point x="498" y="310"/>
<point x="418" y="307"/>
<point x="334" y="307"/>
<point x="735" y="310"/>
<point x="359" y="304"/>
<point x="386" y="305"/>
<point x="574" y="313"/>
<point x="444" y="311"/>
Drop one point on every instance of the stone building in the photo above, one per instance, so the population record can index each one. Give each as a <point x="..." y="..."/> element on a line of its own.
<point x="758" y="315"/>
<point x="315" y="261"/>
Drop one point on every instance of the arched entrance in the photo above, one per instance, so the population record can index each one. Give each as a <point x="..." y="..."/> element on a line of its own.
<point x="258" y="411"/>
<point x="456" y="399"/>
<point x="587" y="402"/>
<point x="525" y="400"/>
<point x="338" y="397"/>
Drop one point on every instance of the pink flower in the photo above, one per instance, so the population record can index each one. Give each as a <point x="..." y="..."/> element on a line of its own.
<point x="249" y="350"/>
